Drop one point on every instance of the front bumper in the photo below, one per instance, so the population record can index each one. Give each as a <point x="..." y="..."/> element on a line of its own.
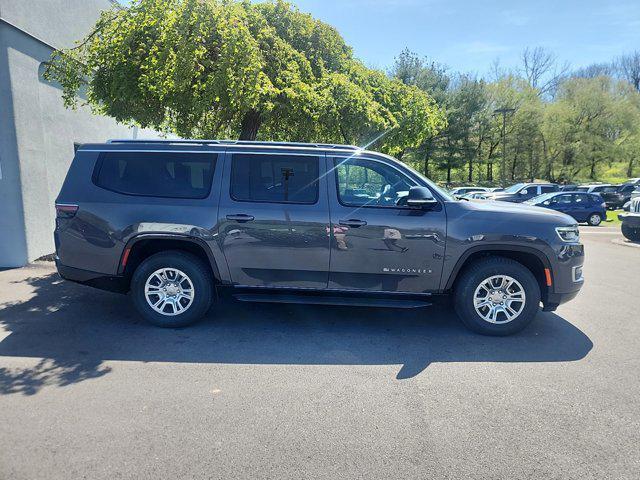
<point x="567" y="279"/>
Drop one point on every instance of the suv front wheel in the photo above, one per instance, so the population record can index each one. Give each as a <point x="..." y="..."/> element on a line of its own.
<point x="171" y="289"/>
<point x="497" y="296"/>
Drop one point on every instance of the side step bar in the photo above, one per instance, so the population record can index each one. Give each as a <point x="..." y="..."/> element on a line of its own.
<point x="323" y="300"/>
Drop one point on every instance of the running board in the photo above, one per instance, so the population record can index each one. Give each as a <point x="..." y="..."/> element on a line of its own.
<point x="322" y="300"/>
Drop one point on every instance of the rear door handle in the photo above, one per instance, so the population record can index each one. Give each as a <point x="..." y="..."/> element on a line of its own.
<point x="240" y="217"/>
<point x="352" y="222"/>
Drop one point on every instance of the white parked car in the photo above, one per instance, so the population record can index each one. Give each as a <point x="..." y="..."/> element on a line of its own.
<point x="459" y="191"/>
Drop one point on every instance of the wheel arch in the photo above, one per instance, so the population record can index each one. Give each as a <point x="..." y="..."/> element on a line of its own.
<point x="142" y="246"/>
<point x="535" y="260"/>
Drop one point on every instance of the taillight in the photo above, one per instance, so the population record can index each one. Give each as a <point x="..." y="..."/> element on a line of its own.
<point x="66" y="210"/>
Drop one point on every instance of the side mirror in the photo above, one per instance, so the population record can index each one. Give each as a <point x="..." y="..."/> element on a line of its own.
<point x="420" y="197"/>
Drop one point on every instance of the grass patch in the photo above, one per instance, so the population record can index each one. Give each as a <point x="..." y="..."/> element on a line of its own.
<point x="612" y="217"/>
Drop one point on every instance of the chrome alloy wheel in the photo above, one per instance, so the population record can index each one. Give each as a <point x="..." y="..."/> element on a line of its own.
<point x="499" y="299"/>
<point x="595" y="219"/>
<point x="169" y="291"/>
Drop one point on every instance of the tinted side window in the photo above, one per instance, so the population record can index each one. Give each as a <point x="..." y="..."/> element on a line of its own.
<point x="548" y="188"/>
<point x="364" y="182"/>
<point x="164" y="174"/>
<point x="274" y="178"/>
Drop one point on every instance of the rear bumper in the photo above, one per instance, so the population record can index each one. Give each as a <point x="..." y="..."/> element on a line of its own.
<point x="630" y="219"/>
<point x="101" y="281"/>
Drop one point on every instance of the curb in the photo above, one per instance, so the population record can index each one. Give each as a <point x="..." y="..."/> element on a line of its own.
<point x="625" y="243"/>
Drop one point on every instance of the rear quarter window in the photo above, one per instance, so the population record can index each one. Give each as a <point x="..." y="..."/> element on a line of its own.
<point x="156" y="174"/>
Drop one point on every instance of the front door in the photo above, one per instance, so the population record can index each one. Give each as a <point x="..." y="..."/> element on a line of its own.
<point x="379" y="243"/>
<point x="274" y="218"/>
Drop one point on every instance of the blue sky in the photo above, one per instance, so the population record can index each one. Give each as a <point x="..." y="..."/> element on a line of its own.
<point x="468" y="35"/>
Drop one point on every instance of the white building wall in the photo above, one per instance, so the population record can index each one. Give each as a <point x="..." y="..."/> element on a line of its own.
<point x="37" y="133"/>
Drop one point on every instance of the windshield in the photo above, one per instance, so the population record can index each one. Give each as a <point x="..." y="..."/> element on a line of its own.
<point x="540" y="198"/>
<point x="514" y="188"/>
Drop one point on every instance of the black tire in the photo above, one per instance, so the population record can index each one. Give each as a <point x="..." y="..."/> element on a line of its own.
<point x="594" y="219"/>
<point x="197" y="273"/>
<point x="476" y="274"/>
<point x="630" y="233"/>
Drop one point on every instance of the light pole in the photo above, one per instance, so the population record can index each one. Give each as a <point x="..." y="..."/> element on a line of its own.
<point x="504" y="112"/>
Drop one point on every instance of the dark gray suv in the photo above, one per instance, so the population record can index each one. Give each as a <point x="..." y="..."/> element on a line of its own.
<point x="175" y="222"/>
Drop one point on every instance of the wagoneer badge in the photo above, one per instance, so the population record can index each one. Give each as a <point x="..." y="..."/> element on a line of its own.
<point x="406" y="270"/>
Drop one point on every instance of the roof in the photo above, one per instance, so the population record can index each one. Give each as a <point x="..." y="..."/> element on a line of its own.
<point x="234" y="142"/>
<point x="208" y="145"/>
<point x="195" y="146"/>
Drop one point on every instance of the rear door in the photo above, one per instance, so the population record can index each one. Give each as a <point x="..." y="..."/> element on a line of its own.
<point x="563" y="203"/>
<point x="377" y="243"/>
<point x="274" y="219"/>
<point x="582" y="206"/>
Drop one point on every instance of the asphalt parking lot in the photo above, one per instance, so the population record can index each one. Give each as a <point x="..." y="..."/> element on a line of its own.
<point x="87" y="390"/>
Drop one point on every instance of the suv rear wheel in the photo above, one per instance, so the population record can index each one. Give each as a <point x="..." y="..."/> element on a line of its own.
<point x="171" y="289"/>
<point x="497" y="296"/>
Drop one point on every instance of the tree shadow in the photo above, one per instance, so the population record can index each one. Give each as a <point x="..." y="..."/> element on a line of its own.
<point x="73" y="330"/>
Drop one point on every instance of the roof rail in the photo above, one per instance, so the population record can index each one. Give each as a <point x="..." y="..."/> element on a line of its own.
<point x="234" y="142"/>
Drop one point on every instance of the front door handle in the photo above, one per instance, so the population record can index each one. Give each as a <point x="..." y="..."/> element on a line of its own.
<point x="352" y="222"/>
<point x="240" y="217"/>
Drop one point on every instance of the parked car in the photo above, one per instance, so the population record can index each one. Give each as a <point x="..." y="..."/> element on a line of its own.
<point x="474" y="196"/>
<point x="303" y="223"/>
<point x="495" y="189"/>
<point x="621" y="196"/>
<point x="609" y="193"/>
<point x="634" y="194"/>
<point x="521" y="192"/>
<point x="631" y="221"/>
<point x="584" y="207"/>
<point x="459" y="191"/>
<point x="592" y="188"/>
<point x="567" y="188"/>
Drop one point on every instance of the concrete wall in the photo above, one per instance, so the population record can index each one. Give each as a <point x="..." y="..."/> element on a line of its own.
<point x="37" y="134"/>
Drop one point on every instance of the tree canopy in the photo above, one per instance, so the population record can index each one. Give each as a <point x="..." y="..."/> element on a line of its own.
<point x="560" y="126"/>
<point x="236" y="69"/>
<point x="239" y="69"/>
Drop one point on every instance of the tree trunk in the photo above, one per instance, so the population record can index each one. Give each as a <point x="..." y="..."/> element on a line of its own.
<point x="490" y="171"/>
<point x="470" y="169"/>
<point x="531" y="169"/>
<point x="250" y="124"/>
<point x="630" y="168"/>
<point x="448" y="173"/>
<point x="426" y="166"/>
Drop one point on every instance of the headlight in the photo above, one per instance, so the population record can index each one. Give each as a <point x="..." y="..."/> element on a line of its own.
<point x="568" y="234"/>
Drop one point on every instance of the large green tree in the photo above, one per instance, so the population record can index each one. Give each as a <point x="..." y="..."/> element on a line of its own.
<point x="226" y="68"/>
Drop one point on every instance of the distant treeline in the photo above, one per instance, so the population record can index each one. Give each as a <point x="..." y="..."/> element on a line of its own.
<point x="560" y="125"/>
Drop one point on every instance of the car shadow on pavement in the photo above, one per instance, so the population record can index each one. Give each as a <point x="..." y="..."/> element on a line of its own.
<point x="72" y="330"/>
